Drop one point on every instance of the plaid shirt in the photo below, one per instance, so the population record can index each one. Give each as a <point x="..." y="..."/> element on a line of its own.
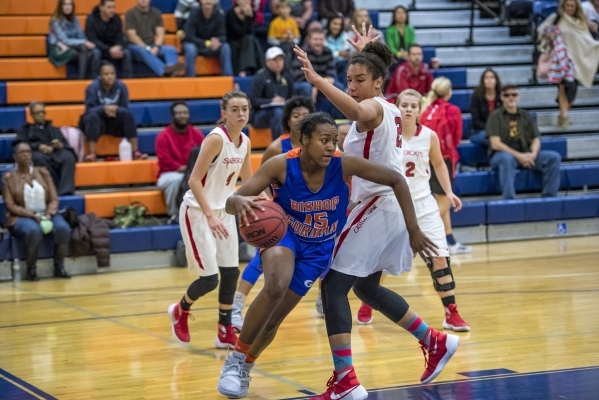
<point x="562" y="68"/>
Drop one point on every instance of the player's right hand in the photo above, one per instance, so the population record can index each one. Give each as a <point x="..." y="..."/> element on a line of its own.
<point x="219" y="230"/>
<point x="422" y="245"/>
<point x="455" y="201"/>
<point x="244" y="206"/>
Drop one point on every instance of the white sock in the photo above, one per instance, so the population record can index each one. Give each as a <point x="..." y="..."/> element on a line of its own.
<point x="239" y="298"/>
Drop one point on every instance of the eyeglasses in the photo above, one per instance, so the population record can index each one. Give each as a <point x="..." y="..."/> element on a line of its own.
<point x="38" y="112"/>
<point x="510" y="95"/>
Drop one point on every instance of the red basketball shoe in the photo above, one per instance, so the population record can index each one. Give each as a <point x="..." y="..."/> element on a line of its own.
<point x="440" y="349"/>
<point x="179" y="320"/>
<point x="453" y="320"/>
<point x="226" y="337"/>
<point x="365" y="314"/>
<point x="343" y="385"/>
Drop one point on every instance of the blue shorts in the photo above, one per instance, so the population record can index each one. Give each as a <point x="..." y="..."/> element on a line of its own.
<point x="311" y="260"/>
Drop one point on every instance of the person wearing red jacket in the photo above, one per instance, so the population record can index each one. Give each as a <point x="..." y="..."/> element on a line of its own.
<point x="412" y="74"/>
<point x="173" y="146"/>
<point x="446" y="120"/>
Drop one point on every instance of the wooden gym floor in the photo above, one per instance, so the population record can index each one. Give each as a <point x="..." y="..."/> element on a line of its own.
<point x="532" y="306"/>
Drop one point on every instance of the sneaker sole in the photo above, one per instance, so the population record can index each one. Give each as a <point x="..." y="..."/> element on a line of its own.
<point x="358" y="393"/>
<point x="451" y="345"/>
<point x="365" y="322"/>
<point x="456" y="328"/>
<point x="319" y="314"/>
<point x="220" y="345"/>
<point x="171" y="311"/>
<point x="231" y="395"/>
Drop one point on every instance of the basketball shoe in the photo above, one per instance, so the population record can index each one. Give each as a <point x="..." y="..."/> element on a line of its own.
<point x="453" y="320"/>
<point x="440" y="349"/>
<point x="226" y="337"/>
<point x="179" y="321"/>
<point x="234" y="380"/>
<point x="365" y="314"/>
<point x="343" y="385"/>
<point x="237" y="315"/>
<point x="459" y="248"/>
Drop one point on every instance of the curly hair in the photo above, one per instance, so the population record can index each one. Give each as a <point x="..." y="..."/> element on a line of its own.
<point x="376" y="58"/>
<point x="292" y="104"/>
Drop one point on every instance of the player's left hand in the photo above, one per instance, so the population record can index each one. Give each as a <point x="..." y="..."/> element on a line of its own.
<point x="245" y="205"/>
<point x="309" y="73"/>
<point x="455" y="201"/>
<point x="422" y="245"/>
<point x="364" y="37"/>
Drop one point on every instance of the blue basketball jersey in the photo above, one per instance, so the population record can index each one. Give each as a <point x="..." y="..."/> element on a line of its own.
<point x="314" y="217"/>
<point x="286" y="143"/>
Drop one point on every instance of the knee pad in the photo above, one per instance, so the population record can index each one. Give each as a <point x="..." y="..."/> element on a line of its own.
<point x="228" y="284"/>
<point x="440" y="273"/>
<point x="202" y="286"/>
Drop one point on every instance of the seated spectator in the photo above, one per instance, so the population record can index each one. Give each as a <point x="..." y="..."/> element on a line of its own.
<point x="145" y="32"/>
<point x="107" y="112"/>
<point x="32" y="211"/>
<point x="173" y="147"/>
<point x="412" y="74"/>
<point x="400" y="35"/>
<point x="591" y="10"/>
<point x="582" y="49"/>
<point x="301" y="11"/>
<point x="206" y="35"/>
<point x="247" y="56"/>
<point x="283" y="30"/>
<point x="360" y="20"/>
<point x="105" y="29"/>
<point x="485" y="99"/>
<point x="514" y="143"/>
<point x="271" y="87"/>
<point x="328" y="9"/>
<point x="336" y="42"/>
<point x="67" y="40"/>
<point x="50" y="149"/>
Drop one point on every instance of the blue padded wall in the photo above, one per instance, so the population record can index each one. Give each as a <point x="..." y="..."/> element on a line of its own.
<point x="472" y="214"/>
<point x="130" y="240"/>
<point x="505" y="211"/>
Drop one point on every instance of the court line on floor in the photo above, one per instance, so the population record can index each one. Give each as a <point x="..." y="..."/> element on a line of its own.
<point x="24" y="386"/>
<point x="196" y="350"/>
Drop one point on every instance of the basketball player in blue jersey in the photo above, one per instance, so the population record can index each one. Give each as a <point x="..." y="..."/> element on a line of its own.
<point x="296" y="108"/>
<point x="310" y="177"/>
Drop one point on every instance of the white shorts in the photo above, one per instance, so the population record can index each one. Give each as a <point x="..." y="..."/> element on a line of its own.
<point x="202" y="249"/>
<point x="431" y="224"/>
<point x="373" y="239"/>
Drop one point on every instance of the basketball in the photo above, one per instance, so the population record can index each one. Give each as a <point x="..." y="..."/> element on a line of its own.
<point x="268" y="229"/>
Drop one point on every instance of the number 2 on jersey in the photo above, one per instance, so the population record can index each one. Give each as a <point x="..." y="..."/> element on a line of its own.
<point x="410" y="166"/>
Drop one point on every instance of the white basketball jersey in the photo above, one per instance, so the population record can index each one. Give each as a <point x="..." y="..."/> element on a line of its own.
<point x="381" y="145"/>
<point x="417" y="162"/>
<point x="221" y="178"/>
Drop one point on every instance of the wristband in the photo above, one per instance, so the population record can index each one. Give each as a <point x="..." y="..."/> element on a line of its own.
<point x="207" y="43"/>
<point x="180" y="31"/>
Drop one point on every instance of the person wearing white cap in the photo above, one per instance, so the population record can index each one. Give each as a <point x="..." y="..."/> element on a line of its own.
<point x="271" y="87"/>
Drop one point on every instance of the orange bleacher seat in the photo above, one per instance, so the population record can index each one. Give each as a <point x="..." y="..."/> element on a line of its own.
<point x="260" y="138"/>
<point x="103" y="203"/>
<point x="206" y="66"/>
<point x="139" y="89"/>
<point x="46" y="7"/>
<point x="256" y="160"/>
<point x="116" y="173"/>
<point x="22" y="46"/>
<point x="170" y="23"/>
<point x="30" y="68"/>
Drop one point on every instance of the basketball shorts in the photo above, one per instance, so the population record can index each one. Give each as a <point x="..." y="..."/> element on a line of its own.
<point x="434" y="181"/>
<point x="373" y="239"/>
<point x="431" y="224"/>
<point x="202" y="249"/>
<point x="311" y="260"/>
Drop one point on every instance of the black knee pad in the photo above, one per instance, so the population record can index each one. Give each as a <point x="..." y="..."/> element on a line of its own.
<point x="438" y="274"/>
<point x="228" y="284"/>
<point x="202" y="286"/>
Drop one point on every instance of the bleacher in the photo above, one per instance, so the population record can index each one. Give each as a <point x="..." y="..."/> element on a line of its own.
<point x="441" y="26"/>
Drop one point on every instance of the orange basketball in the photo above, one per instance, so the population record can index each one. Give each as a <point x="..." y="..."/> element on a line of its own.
<point x="268" y="229"/>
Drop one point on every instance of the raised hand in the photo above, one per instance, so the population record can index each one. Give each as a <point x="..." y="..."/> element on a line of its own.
<point x="309" y="73"/>
<point x="364" y="37"/>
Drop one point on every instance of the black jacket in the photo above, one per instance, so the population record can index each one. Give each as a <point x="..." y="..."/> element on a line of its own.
<point x="104" y="34"/>
<point x="265" y="86"/>
<point x="41" y="134"/>
<point x="479" y="109"/>
<point x="198" y="29"/>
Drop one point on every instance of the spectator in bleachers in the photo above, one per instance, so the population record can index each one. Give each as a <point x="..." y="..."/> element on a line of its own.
<point x="301" y="11"/>
<point x="283" y="30"/>
<point x="360" y="20"/>
<point x="206" y="35"/>
<point x="412" y="74"/>
<point x="145" y="33"/>
<point x="31" y="206"/>
<point x="271" y="88"/>
<point x="67" y="40"/>
<point x="50" y="149"/>
<point x="182" y="12"/>
<point x="582" y="49"/>
<point x="107" y="112"/>
<point x="105" y="29"/>
<point x="173" y="146"/>
<point x="336" y="41"/>
<point x="514" y="143"/>
<point x="400" y="35"/>
<point x="328" y="9"/>
<point x="591" y="10"/>
<point x="485" y="99"/>
<point x="247" y="55"/>
<point x="445" y="119"/>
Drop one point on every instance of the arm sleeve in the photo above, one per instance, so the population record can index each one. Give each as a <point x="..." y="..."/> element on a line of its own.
<point x="235" y="27"/>
<point x="457" y="125"/>
<point x="91" y="103"/>
<point x="120" y="36"/>
<point x="92" y="34"/>
<point x="164" y="154"/>
<point x="256" y="91"/>
<point x="331" y="71"/>
<point x="190" y="29"/>
<point x="477" y="121"/>
<point x="221" y="34"/>
<point x="55" y="133"/>
<point x="533" y="126"/>
<point x="390" y="39"/>
<point x="62" y="37"/>
<point x="124" y="100"/>
<point x="9" y="201"/>
<point x="492" y="126"/>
